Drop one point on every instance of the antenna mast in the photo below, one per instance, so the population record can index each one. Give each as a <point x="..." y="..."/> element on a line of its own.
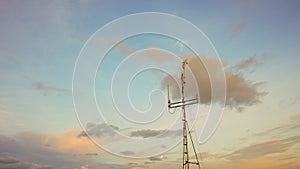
<point x="185" y="129"/>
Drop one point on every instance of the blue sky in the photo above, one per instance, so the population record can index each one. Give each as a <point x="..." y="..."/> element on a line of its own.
<point x="41" y="40"/>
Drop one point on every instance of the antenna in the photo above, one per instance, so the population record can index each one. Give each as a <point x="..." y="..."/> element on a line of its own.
<point x="185" y="131"/>
<point x="169" y="100"/>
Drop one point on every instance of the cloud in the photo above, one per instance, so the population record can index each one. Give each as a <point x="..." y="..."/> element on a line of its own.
<point x="292" y="124"/>
<point x="84" y="167"/>
<point x="31" y="147"/>
<point x="145" y="133"/>
<point x="27" y="150"/>
<point x="117" y="166"/>
<point x="155" y="159"/>
<point x="7" y="159"/>
<point x="124" y="49"/>
<point x="47" y="89"/>
<point x="240" y="25"/>
<point x="98" y="130"/>
<point x="271" y="130"/>
<point x="158" y="158"/>
<point x="155" y="54"/>
<point x="91" y="154"/>
<point x="127" y="153"/>
<point x="151" y="54"/>
<point x="69" y="142"/>
<point x="249" y="62"/>
<point x="82" y="134"/>
<point x="208" y="155"/>
<point x="295" y="117"/>
<point x="263" y="148"/>
<point x="10" y="121"/>
<point x="238" y="28"/>
<point x="10" y="162"/>
<point x="138" y="168"/>
<point x="240" y="91"/>
<point x="119" y="44"/>
<point x="132" y="164"/>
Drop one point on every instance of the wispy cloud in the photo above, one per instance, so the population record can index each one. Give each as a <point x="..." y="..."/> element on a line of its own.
<point x="251" y="63"/>
<point x="238" y="28"/>
<point x="47" y="89"/>
<point x="241" y="24"/>
<point x="262" y="149"/>
<point x="292" y="124"/>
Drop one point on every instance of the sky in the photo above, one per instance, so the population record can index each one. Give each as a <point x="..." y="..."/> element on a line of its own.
<point x="45" y="123"/>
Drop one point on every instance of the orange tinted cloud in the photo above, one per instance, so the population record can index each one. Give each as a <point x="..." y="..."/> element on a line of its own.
<point x="71" y="143"/>
<point x="67" y="142"/>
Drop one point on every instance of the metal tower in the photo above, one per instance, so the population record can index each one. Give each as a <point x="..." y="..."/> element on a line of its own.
<point x="185" y="131"/>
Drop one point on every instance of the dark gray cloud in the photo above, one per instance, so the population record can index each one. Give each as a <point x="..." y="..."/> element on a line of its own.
<point x="155" y="159"/>
<point x="98" y="130"/>
<point x="264" y="148"/>
<point x="145" y="133"/>
<point x="82" y="134"/>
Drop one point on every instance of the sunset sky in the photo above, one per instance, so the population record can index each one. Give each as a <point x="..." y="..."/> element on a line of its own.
<point x="258" y="43"/>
